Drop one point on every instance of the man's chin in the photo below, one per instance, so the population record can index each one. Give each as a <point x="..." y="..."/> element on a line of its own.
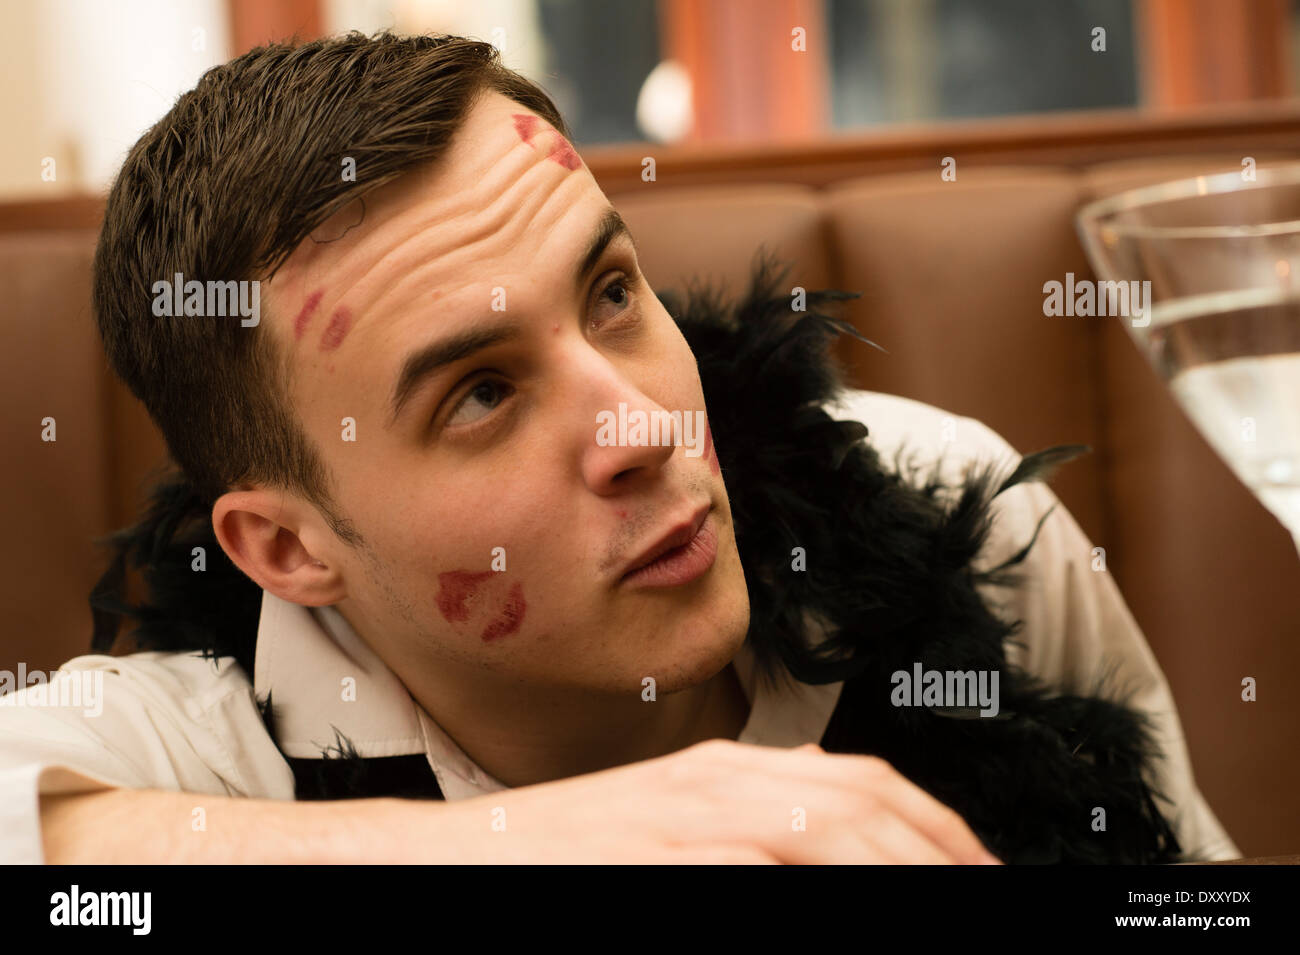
<point x="696" y="645"/>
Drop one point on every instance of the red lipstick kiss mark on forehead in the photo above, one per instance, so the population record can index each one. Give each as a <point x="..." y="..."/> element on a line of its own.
<point x="307" y="311"/>
<point x="337" y="330"/>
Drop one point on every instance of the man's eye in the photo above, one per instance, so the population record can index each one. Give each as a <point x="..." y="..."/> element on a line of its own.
<point x="618" y="295"/>
<point x="479" y="401"/>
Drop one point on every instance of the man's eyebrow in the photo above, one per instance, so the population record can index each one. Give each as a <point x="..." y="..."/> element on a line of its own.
<point x="610" y="227"/>
<point x="425" y="361"/>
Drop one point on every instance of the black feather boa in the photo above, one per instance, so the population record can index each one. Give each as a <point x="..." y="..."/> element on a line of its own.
<point x="889" y="582"/>
<point x="889" y="579"/>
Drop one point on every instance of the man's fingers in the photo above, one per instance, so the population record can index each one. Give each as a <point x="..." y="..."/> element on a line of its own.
<point x="876" y="778"/>
<point x="903" y="841"/>
<point x="940" y="823"/>
<point x="885" y="841"/>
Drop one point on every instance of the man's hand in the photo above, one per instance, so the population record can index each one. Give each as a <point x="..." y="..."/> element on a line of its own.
<point x="726" y="802"/>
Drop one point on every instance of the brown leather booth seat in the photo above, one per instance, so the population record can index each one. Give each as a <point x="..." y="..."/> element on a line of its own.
<point x="951" y="276"/>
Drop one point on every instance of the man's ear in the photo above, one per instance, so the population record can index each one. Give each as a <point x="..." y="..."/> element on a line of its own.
<point x="260" y="532"/>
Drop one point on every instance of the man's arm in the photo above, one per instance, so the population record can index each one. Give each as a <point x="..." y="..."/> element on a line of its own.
<point x="176" y="766"/>
<point x="716" y="802"/>
<point x="152" y="827"/>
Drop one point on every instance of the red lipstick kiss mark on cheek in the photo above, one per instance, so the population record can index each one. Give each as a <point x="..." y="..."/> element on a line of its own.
<point x="454" y="589"/>
<point x="564" y="154"/>
<point x="709" y="452"/>
<point x="337" y="330"/>
<point x="308" y="310"/>
<point x="510" y="618"/>
<point x="525" y="125"/>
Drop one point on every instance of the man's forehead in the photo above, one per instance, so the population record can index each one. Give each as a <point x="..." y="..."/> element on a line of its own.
<point x="432" y="210"/>
<point x="493" y="127"/>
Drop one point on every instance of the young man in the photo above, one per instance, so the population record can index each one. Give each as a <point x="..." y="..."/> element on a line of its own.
<point x="450" y="571"/>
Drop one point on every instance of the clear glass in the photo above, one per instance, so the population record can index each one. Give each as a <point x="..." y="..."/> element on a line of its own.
<point x="1222" y="256"/>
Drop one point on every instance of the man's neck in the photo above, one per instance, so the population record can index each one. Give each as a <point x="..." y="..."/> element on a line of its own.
<point x="526" y="755"/>
<point x="729" y="708"/>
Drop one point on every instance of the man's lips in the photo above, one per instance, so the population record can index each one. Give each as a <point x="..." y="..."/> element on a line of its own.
<point x="683" y="552"/>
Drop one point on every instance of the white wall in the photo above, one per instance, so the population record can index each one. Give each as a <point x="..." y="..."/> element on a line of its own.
<point x="84" y="78"/>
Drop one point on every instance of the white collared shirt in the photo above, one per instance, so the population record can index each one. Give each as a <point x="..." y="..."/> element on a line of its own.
<point x="176" y="721"/>
<point x="311" y="654"/>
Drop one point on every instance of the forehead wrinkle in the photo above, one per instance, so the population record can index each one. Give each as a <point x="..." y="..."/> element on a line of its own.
<point x="501" y="139"/>
<point x="502" y="221"/>
<point x="499" y="212"/>
<point x="417" y="215"/>
<point x="490" y="185"/>
<point x="312" y="257"/>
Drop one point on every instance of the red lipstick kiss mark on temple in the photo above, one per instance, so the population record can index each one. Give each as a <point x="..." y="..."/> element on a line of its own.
<point x="525" y="125"/>
<point x="561" y="152"/>
<point x="564" y="154"/>
<point x="337" y="330"/>
<point x="308" y="310"/>
<point x="458" y="588"/>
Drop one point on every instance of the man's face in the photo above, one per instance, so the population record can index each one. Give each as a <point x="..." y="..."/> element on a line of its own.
<point x="461" y="300"/>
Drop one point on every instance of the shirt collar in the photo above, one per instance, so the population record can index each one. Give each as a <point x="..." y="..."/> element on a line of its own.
<point x="325" y="681"/>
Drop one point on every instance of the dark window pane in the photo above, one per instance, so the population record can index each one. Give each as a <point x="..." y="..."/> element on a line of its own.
<point x="900" y="60"/>
<point x="598" y="55"/>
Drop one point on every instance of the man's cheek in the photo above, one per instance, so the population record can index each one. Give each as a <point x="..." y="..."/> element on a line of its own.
<point x="487" y="603"/>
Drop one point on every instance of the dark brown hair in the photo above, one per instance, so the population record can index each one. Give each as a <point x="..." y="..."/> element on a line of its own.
<point x="225" y="187"/>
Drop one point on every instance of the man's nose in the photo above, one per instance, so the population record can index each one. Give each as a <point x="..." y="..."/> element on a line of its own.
<point x="629" y="443"/>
